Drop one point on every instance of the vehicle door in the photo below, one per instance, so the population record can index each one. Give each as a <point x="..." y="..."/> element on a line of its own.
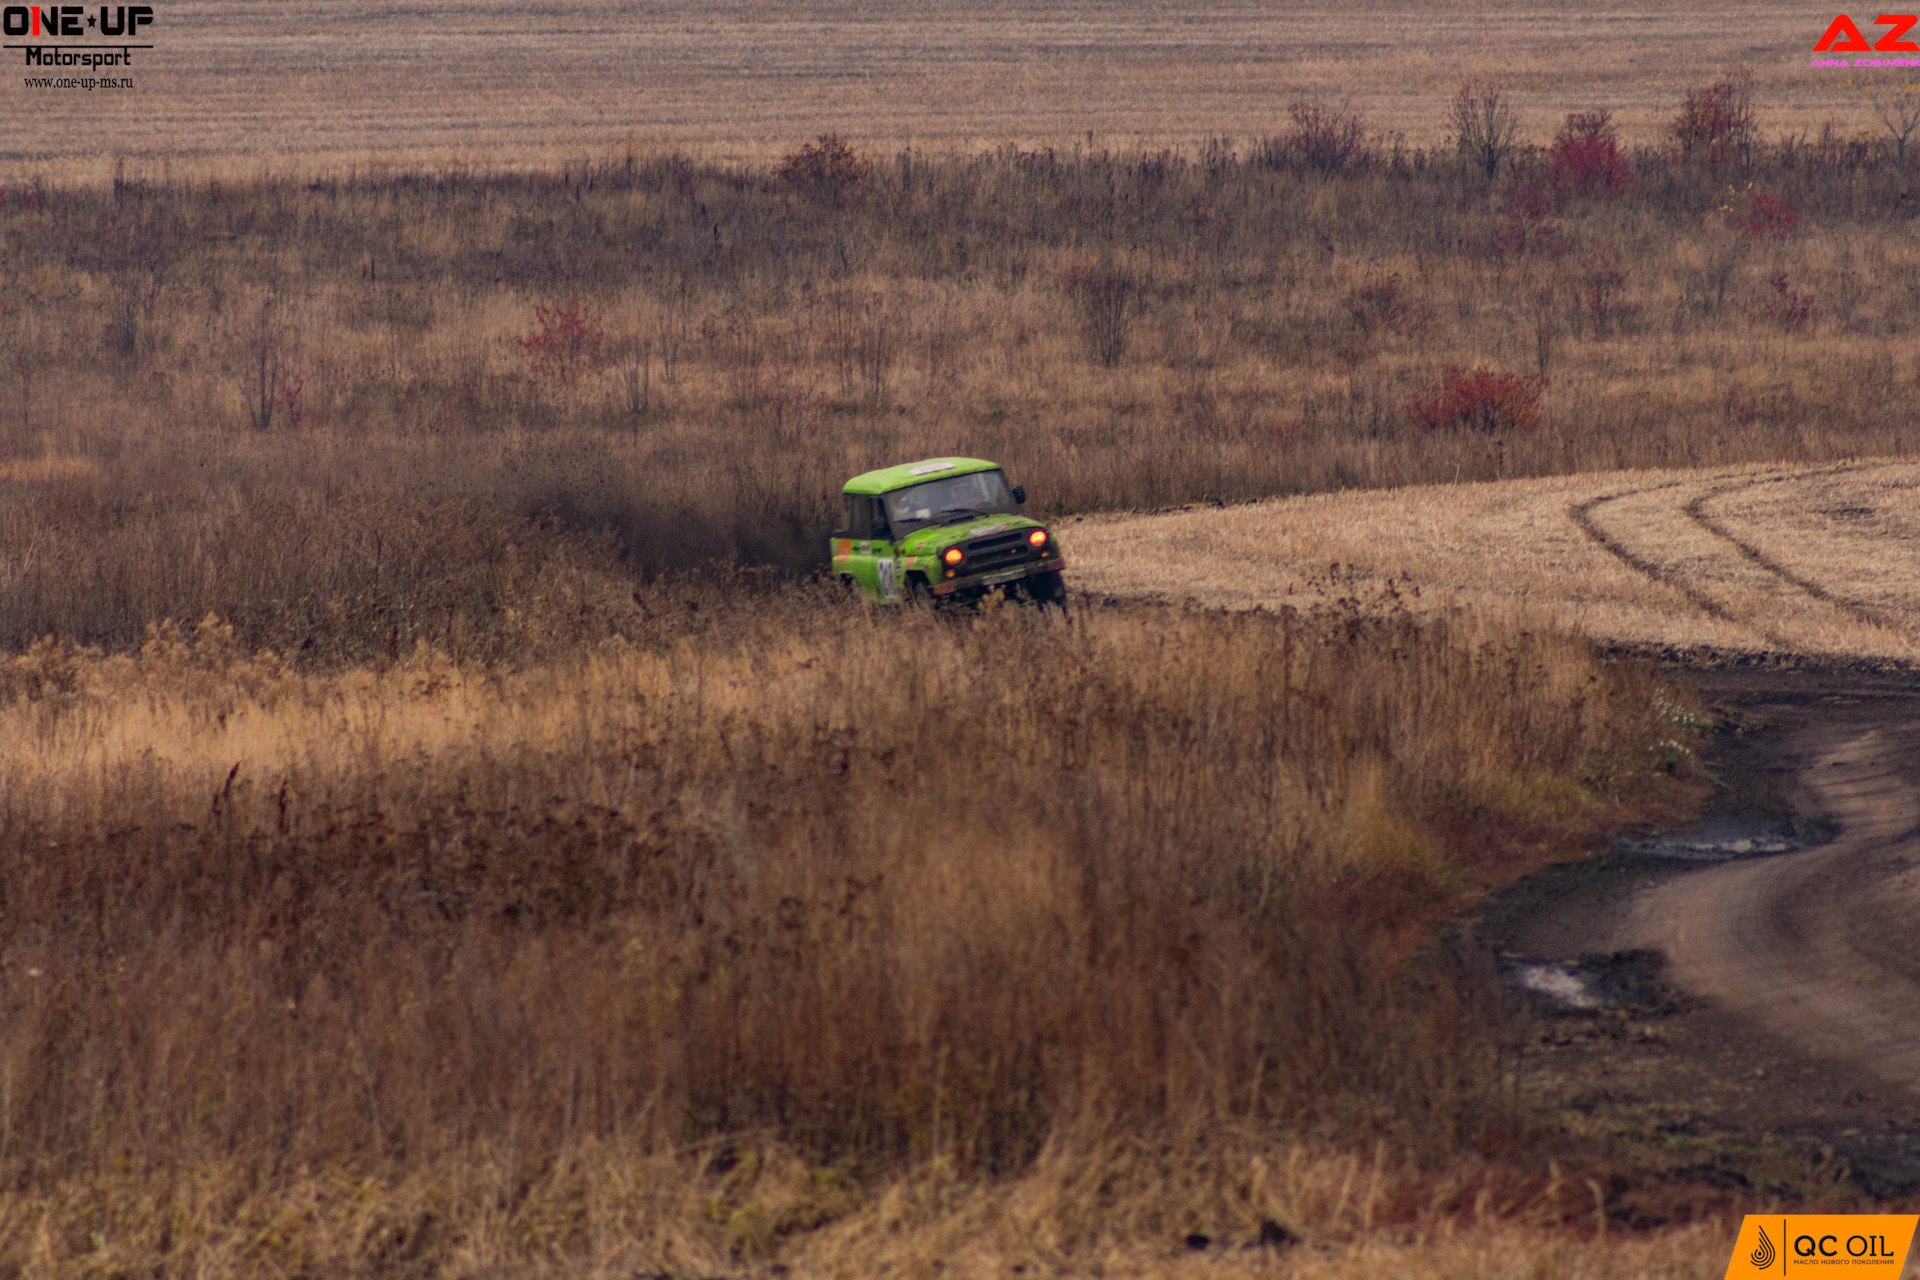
<point x="870" y="559"/>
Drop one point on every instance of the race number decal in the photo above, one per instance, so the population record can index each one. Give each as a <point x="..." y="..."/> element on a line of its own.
<point x="886" y="576"/>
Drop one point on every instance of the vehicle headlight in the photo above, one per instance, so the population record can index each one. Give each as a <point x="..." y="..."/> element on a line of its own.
<point x="1038" y="537"/>
<point x="953" y="555"/>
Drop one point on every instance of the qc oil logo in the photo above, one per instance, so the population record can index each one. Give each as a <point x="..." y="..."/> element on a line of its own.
<point x="1858" y="1246"/>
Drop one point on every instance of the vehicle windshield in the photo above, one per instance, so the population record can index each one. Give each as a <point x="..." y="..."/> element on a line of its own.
<point x="949" y="501"/>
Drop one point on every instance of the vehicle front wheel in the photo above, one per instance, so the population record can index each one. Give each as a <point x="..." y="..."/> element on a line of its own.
<point x="919" y="594"/>
<point x="1048" y="588"/>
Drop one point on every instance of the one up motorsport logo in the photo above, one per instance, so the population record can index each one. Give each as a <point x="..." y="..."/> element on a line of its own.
<point x="76" y="22"/>
<point x="1865" y="1246"/>
<point x="1843" y="35"/>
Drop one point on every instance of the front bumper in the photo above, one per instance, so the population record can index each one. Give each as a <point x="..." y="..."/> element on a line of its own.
<point x="1000" y="577"/>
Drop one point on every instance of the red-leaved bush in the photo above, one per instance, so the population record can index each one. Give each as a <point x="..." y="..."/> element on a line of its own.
<point x="1768" y="217"/>
<point x="567" y="340"/>
<point x="1716" y="124"/>
<point x="1586" y="155"/>
<point x="1479" y="399"/>
<point x="827" y="167"/>
<point x="1790" y="308"/>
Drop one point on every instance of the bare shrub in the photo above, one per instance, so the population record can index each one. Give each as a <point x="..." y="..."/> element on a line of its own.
<point x="1527" y="200"/>
<point x="1602" y="282"/>
<point x="1384" y="305"/>
<point x="1897" y="107"/>
<point x="793" y="408"/>
<point x="863" y="343"/>
<point x="1482" y="126"/>
<point x="636" y="378"/>
<point x="1322" y="139"/>
<point x="1784" y="306"/>
<point x="1543" y="315"/>
<point x="1705" y="290"/>
<point x="1109" y="297"/>
<point x="269" y="386"/>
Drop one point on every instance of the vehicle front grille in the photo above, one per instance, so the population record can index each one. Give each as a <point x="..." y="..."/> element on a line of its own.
<point x="998" y="551"/>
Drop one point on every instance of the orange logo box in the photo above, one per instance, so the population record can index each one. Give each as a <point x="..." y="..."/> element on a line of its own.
<point x="1859" y="1246"/>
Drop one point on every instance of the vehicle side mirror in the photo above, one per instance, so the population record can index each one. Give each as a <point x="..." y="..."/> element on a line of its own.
<point x="1020" y="493"/>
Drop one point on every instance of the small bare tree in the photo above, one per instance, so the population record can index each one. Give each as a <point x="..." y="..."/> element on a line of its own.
<point x="1483" y="125"/>
<point x="636" y="378"/>
<point x="265" y="366"/>
<point x="676" y="325"/>
<point x="1110" y="298"/>
<point x="1543" y="310"/>
<point x="1899" y="112"/>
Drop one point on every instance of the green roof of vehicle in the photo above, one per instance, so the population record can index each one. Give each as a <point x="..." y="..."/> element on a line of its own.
<point x="887" y="479"/>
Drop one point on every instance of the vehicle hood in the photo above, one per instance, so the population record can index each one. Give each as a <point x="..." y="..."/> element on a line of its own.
<point x="931" y="542"/>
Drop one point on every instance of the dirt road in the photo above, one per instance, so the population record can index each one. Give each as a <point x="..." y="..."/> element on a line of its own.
<point x="1821" y="947"/>
<point x="1807" y="957"/>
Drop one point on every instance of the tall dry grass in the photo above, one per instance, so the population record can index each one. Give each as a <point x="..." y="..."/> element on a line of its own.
<point x="479" y="958"/>
<point x="336" y="364"/>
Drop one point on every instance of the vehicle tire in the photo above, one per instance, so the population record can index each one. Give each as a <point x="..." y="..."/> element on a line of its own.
<point x="1048" y="588"/>
<point x="919" y="594"/>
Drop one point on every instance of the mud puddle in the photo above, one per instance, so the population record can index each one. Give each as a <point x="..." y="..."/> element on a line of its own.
<point x="1610" y="1047"/>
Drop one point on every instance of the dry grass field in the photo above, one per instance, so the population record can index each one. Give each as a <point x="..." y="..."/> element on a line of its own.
<point x="235" y="90"/>
<point x="713" y="950"/>
<point x="443" y="832"/>
<point x="1822" y="560"/>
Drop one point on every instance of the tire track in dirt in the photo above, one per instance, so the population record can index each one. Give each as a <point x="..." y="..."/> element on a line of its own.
<point x="1581" y="513"/>
<point x="1696" y="510"/>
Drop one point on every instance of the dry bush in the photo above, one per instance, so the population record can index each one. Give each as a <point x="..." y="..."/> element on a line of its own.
<point x="1483" y="127"/>
<point x="1126" y="880"/>
<point x="567" y="341"/>
<point x="1897" y="107"/>
<point x="1716" y="125"/>
<point x="1761" y="215"/>
<point x="1109" y="297"/>
<point x="1322" y="139"/>
<point x="826" y="167"/>
<point x="1586" y="155"/>
<point x="1482" y="399"/>
<point x="1386" y="306"/>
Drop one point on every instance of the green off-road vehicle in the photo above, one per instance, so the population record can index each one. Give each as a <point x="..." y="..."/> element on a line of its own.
<point x="946" y="530"/>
